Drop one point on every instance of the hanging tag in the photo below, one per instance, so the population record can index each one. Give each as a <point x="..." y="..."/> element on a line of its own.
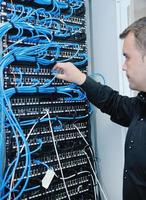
<point x="48" y="178"/>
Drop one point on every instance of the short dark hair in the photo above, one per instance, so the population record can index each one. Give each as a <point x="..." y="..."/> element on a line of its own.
<point x="138" y="28"/>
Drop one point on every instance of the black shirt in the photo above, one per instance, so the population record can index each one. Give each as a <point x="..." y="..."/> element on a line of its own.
<point x="128" y="112"/>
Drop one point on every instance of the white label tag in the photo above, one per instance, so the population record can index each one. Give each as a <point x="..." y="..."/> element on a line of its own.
<point x="48" y="178"/>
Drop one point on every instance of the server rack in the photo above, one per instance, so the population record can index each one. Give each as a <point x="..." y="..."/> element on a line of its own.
<point x="45" y="122"/>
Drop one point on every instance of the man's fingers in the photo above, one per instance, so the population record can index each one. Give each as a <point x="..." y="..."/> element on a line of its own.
<point x="60" y="76"/>
<point x="59" y="66"/>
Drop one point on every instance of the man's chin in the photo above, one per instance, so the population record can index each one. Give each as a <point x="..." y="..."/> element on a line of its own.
<point x="133" y="88"/>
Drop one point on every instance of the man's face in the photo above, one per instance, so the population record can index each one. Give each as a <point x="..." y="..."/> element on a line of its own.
<point x="135" y="64"/>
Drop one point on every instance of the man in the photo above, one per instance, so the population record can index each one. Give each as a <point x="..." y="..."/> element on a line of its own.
<point x="128" y="112"/>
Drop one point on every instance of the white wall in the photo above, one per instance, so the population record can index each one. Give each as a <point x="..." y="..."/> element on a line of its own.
<point x="139" y="8"/>
<point x="105" y="57"/>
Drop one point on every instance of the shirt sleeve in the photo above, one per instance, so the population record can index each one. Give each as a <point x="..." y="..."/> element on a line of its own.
<point x="120" y="108"/>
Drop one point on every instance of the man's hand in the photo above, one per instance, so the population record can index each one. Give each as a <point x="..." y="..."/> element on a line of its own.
<point x="68" y="72"/>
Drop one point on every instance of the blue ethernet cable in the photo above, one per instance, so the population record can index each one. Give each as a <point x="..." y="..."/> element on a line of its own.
<point x="20" y="57"/>
<point x="38" y="162"/>
<point x="28" y="11"/>
<point x="82" y="62"/>
<point x="35" y="82"/>
<point x="38" y="148"/>
<point x="15" y="17"/>
<point x="60" y="89"/>
<point x="19" y="80"/>
<point x="100" y="75"/>
<point x="62" y="5"/>
<point x="76" y="7"/>
<point x="59" y="5"/>
<point x="27" y="26"/>
<point x="17" y="22"/>
<point x="58" y="22"/>
<point x="25" y="54"/>
<point x="17" y="158"/>
<point x="33" y="188"/>
<point x="18" y="182"/>
<point x="2" y="135"/>
<point x="28" y="160"/>
<point x="43" y="2"/>
<point x="33" y="39"/>
<point x="36" y="13"/>
<point x="21" y="9"/>
<point x="40" y="142"/>
<point x="48" y="83"/>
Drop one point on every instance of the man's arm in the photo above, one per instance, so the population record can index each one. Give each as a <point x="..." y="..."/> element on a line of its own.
<point x="120" y="108"/>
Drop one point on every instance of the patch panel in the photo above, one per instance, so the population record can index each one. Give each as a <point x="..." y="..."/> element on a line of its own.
<point x="32" y="110"/>
<point x="67" y="164"/>
<point x="67" y="130"/>
<point x="35" y="101"/>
